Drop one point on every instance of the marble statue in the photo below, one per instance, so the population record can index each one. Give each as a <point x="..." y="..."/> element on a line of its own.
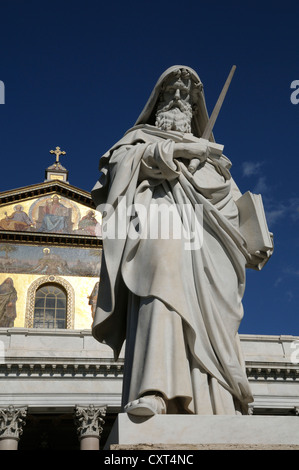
<point x="175" y="300"/>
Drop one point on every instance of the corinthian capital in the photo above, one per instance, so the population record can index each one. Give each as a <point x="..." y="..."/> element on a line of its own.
<point x="89" y="420"/>
<point x="12" y="421"/>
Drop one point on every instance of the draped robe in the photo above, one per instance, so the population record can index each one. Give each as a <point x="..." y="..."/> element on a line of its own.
<point x="178" y="309"/>
<point x="8" y="298"/>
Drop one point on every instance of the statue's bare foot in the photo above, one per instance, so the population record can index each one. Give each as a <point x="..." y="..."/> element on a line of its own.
<point x="148" y="405"/>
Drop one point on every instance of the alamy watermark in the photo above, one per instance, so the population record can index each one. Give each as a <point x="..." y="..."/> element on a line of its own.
<point x="295" y="354"/>
<point x="295" y="94"/>
<point x="2" y="92"/>
<point x="155" y="222"/>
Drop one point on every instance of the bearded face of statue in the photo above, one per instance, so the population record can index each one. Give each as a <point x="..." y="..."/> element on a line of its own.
<point x="174" y="111"/>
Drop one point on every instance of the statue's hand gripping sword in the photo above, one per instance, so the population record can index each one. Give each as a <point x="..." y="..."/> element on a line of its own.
<point x="214" y="148"/>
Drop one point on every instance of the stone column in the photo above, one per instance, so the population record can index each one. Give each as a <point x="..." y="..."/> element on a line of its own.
<point x="89" y="421"/>
<point x="12" y="421"/>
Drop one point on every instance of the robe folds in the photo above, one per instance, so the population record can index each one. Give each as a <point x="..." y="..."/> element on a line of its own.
<point x="178" y="305"/>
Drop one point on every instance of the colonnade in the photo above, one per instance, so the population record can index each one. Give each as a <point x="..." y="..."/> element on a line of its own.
<point x="89" y="421"/>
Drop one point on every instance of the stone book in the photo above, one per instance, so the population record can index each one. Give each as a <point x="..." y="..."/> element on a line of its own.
<point x="253" y="223"/>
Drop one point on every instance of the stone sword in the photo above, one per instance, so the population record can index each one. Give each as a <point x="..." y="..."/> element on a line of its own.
<point x="215" y="148"/>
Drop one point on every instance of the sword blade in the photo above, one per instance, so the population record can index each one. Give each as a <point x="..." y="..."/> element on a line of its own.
<point x="211" y="122"/>
<point x="194" y="164"/>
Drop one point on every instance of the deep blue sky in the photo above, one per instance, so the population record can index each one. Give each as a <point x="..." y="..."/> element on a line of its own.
<point x="78" y="73"/>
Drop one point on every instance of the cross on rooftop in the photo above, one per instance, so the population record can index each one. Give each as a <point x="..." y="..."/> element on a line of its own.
<point x="58" y="152"/>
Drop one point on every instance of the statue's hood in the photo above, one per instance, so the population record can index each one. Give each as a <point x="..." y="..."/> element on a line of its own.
<point x="200" y="115"/>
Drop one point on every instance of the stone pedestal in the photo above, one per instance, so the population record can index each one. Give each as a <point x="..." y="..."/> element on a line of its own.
<point x="204" y="432"/>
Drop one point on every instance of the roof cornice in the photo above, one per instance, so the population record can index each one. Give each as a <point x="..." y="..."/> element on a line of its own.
<point x="48" y="187"/>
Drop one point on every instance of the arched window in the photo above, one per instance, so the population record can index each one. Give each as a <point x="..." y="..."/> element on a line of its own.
<point x="50" y="307"/>
<point x="64" y="286"/>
